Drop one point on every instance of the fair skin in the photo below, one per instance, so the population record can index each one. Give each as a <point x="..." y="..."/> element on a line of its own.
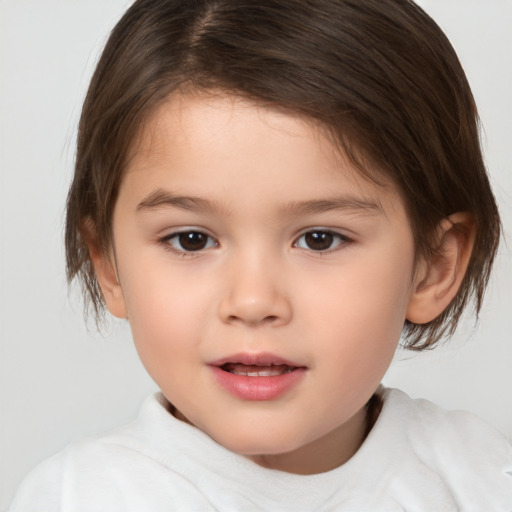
<point x="265" y="281"/>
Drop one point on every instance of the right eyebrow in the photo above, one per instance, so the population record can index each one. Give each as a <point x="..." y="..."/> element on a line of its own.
<point x="161" y="198"/>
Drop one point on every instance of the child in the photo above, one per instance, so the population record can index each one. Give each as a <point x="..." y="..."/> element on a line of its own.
<point x="272" y="193"/>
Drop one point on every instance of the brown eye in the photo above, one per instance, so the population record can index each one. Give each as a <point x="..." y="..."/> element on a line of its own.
<point x="190" y="241"/>
<point x="320" y="240"/>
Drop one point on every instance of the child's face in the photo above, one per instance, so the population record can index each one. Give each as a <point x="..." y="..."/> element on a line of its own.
<point x="246" y="245"/>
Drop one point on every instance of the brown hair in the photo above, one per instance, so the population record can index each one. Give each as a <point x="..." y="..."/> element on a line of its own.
<point x="379" y="74"/>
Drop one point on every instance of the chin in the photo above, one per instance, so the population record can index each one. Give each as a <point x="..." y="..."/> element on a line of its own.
<point x="269" y="443"/>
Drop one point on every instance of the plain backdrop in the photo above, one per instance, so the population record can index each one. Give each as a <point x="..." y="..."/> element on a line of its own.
<point x="59" y="381"/>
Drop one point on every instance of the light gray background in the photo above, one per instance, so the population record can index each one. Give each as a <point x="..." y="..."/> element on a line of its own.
<point x="58" y="381"/>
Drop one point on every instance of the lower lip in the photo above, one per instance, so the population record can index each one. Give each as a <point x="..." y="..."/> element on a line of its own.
<point x="258" y="388"/>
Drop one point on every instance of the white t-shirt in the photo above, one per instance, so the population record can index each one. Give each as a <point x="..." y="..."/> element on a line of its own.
<point x="417" y="457"/>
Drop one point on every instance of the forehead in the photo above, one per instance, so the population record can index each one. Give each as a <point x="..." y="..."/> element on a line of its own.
<point x="193" y="137"/>
<point x="210" y="119"/>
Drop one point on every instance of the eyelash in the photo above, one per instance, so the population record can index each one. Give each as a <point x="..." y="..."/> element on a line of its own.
<point x="332" y="236"/>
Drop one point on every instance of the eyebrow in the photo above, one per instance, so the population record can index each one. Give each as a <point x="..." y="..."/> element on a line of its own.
<point x="161" y="199"/>
<point x="345" y="202"/>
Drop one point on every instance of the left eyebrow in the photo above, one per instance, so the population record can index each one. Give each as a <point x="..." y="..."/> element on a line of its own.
<point x="347" y="203"/>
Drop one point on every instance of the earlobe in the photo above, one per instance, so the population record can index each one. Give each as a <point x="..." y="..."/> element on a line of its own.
<point x="438" y="279"/>
<point x="106" y="273"/>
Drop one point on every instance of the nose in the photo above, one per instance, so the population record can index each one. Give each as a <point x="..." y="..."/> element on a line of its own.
<point x="255" y="293"/>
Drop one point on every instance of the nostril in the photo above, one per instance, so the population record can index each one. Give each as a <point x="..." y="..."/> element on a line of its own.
<point x="255" y="320"/>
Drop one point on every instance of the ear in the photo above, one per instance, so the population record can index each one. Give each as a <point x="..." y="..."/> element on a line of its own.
<point x="437" y="280"/>
<point x="106" y="272"/>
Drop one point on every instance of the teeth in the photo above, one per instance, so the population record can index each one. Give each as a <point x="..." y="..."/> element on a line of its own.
<point x="262" y="373"/>
<point x="254" y="371"/>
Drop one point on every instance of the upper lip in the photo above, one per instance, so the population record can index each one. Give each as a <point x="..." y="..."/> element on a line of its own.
<point x="259" y="359"/>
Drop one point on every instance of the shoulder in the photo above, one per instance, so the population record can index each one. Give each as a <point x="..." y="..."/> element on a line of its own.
<point x="471" y="459"/>
<point x="456" y="431"/>
<point x="120" y="471"/>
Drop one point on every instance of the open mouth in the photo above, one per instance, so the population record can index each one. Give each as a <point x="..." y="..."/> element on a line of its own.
<point x="257" y="377"/>
<point x="254" y="370"/>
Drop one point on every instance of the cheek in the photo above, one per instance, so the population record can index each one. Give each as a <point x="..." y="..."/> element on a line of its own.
<point x="362" y="315"/>
<point x="165" y="311"/>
